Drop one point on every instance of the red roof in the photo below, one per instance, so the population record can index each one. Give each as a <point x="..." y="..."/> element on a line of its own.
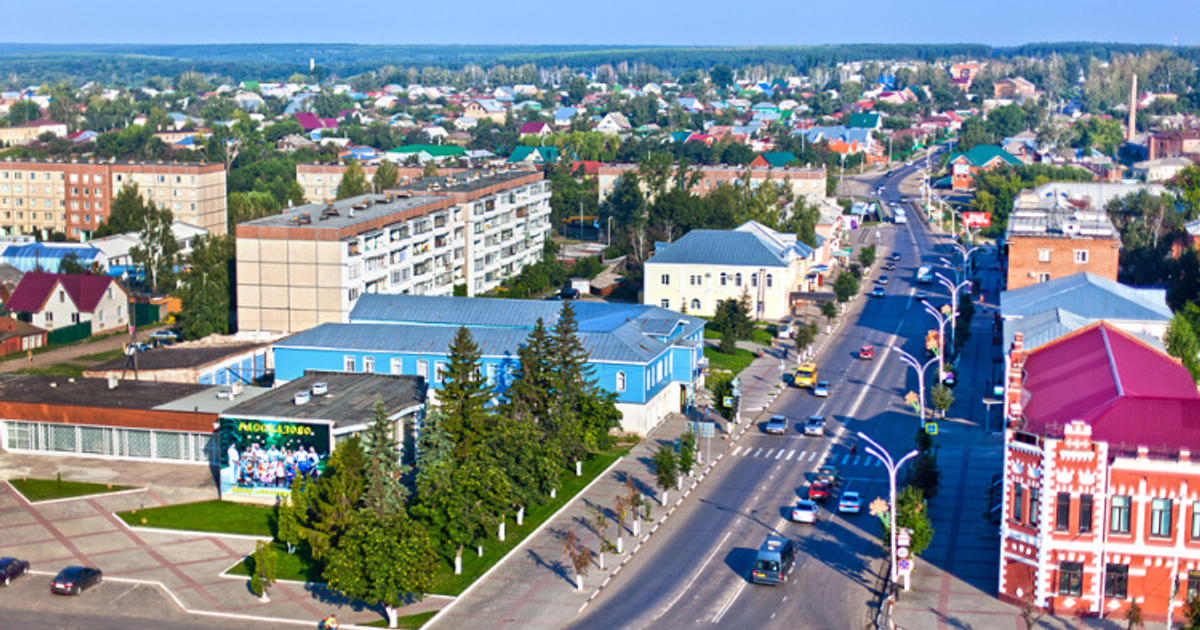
<point x="1130" y="393"/>
<point x="590" y="167"/>
<point x="534" y="128"/>
<point x="36" y="288"/>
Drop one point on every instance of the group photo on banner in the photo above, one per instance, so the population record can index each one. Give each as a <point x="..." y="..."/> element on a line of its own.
<point x="262" y="457"/>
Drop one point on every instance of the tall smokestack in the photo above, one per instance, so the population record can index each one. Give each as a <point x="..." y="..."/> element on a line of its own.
<point x="1132" y="128"/>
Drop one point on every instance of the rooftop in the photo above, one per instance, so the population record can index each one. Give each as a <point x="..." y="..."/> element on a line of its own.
<point x="466" y="181"/>
<point x="176" y="357"/>
<point x="751" y="244"/>
<point x="349" y="401"/>
<point x="1087" y="295"/>
<point x="92" y="392"/>
<point x="352" y="212"/>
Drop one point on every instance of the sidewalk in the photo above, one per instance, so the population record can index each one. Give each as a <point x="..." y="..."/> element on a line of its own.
<point x="68" y="354"/>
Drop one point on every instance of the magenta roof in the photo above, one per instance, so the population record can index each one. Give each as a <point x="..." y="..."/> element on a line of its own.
<point x="1130" y="393"/>
<point x="533" y="127"/>
<point x="36" y="288"/>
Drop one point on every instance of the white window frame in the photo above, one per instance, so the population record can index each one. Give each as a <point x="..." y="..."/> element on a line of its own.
<point x="1081" y="256"/>
<point x="348" y="363"/>
<point x="1043" y="255"/>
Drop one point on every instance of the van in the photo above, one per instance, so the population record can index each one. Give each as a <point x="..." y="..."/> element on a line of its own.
<point x="775" y="560"/>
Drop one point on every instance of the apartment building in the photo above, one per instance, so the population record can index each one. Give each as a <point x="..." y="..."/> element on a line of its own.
<point x="1100" y="505"/>
<point x="310" y="265"/>
<point x="320" y="181"/>
<point x="41" y="196"/>
<point x="26" y="133"/>
<point x="808" y="182"/>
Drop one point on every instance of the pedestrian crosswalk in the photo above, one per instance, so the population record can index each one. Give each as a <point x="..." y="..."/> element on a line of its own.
<point x="790" y="455"/>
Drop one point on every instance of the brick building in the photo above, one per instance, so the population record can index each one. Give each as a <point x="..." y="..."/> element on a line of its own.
<point x="1101" y="500"/>
<point x="76" y="197"/>
<point x="963" y="166"/>
<point x="808" y="182"/>
<point x="1059" y="230"/>
<point x="1174" y="143"/>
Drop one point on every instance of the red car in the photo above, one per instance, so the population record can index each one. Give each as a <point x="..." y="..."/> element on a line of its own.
<point x="818" y="491"/>
<point x="867" y="352"/>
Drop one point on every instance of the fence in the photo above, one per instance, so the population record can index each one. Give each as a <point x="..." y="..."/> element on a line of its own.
<point x="70" y="334"/>
<point x="145" y="314"/>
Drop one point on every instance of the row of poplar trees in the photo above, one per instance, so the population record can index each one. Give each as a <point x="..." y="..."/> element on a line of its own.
<point x="381" y="531"/>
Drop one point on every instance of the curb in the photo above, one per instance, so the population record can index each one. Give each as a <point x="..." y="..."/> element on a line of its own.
<point x="188" y="532"/>
<point x="82" y="497"/>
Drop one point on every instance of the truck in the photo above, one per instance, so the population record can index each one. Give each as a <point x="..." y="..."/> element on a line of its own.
<point x="900" y="216"/>
<point x="924" y="275"/>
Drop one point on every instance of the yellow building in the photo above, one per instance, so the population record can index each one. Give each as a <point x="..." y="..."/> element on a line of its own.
<point x="705" y="267"/>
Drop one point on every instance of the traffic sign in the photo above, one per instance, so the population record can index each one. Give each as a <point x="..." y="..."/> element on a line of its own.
<point x="902" y="552"/>
<point x="931" y="428"/>
<point x="905" y="564"/>
<point x="903" y="538"/>
<point x="728" y="401"/>
<point x="702" y="428"/>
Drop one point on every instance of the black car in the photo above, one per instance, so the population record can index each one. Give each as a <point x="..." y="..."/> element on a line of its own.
<point x="11" y="568"/>
<point x="894" y="256"/>
<point x="569" y="294"/>
<point x="75" y="580"/>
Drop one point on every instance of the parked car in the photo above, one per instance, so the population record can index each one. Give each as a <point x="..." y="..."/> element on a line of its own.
<point x="75" y="580"/>
<point x="878" y="292"/>
<point x="850" y="503"/>
<point x="569" y="293"/>
<point x="881" y="280"/>
<point x="895" y="257"/>
<point x="866" y="352"/>
<point x="776" y="425"/>
<point x="815" y="425"/>
<point x="11" y="569"/>
<point x="822" y="389"/>
<point x="805" y="511"/>
<point x="828" y="474"/>
<point x="818" y="491"/>
<point x="889" y="266"/>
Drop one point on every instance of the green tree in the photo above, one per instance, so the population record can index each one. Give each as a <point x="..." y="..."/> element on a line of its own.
<point x="388" y="561"/>
<point x="335" y="498"/>
<point x="23" y="111"/>
<point x="830" y="311"/>
<point x="205" y="290"/>
<point x="941" y="397"/>
<point x="845" y="286"/>
<point x="464" y="396"/>
<point x="290" y="513"/>
<point x="577" y="89"/>
<point x="529" y="395"/>
<point x="354" y="181"/>
<point x="266" y="569"/>
<point x="925" y="475"/>
<point x="804" y="335"/>
<point x="461" y="501"/>
<point x="128" y="213"/>
<point x="157" y="250"/>
<point x="385" y="493"/>
<point x="687" y="452"/>
<point x="1181" y="343"/>
<point x="866" y="255"/>
<point x="1134" y="616"/>
<point x="721" y="75"/>
<point x="387" y="175"/>
<point x="70" y="265"/>
<point x="666" y="470"/>
<point x="912" y="514"/>
<point x="571" y="383"/>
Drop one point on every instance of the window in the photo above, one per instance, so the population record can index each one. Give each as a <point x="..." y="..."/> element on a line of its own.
<point x="1070" y="578"/>
<point x="423" y="369"/>
<point x="397" y="365"/>
<point x="665" y="303"/>
<point x="754" y="280"/>
<point x="439" y="372"/>
<point x="1043" y="277"/>
<point x="1081" y="256"/>
<point x="737" y="279"/>
<point x="770" y="280"/>
<point x="1085" y="514"/>
<point x="1116" y="580"/>
<point x="1160" y="518"/>
<point x="1043" y="255"/>
<point x="724" y="278"/>
<point x="1193" y="585"/>
<point x="369" y="365"/>
<point x="1018" y="502"/>
<point x="666" y="279"/>
<point x="348" y="363"/>
<point x="620" y="381"/>
<point x="695" y="304"/>
<point x="694" y="280"/>
<point x="1062" y="512"/>
<point x="1118" y="516"/>
<point x="1035" y="505"/>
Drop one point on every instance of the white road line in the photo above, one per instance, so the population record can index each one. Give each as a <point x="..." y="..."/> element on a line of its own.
<point x="855" y="462"/>
<point x="768" y="455"/>
<point x="790" y="453"/>
<point x="724" y="609"/>
<point x="845" y="458"/>
<point x="812" y="455"/>
<point x="735" y="451"/>
<point x="779" y="454"/>
<point x="757" y="453"/>
<point x="696" y="575"/>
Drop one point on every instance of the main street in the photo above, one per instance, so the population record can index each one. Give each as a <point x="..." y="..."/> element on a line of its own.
<point x="698" y="572"/>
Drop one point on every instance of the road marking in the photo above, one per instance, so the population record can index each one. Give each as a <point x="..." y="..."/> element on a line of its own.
<point x="790" y="453"/>
<point x="812" y="455"/>
<point x="724" y="609"/>
<point x="768" y="455"/>
<point x="855" y="462"/>
<point x="779" y="454"/>
<point x="735" y="451"/>
<point x="845" y="459"/>
<point x="696" y="575"/>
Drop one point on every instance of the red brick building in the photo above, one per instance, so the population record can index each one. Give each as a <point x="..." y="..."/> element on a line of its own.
<point x="1054" y="234"/>
<point x="1101" y="496"/>
<point x="18" y="336"/>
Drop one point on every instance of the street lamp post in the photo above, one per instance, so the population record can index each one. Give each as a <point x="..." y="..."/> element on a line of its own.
<point x="941" y="321"/>
<point x="892" y="467"/>
<point x="912" y="362"/>
<point x="954" y="289"/>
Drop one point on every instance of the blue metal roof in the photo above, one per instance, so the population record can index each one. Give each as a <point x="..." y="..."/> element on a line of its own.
<point x="33" y="255"/>
<point x="1087" y="295"/>
<point x="720" y="247"/>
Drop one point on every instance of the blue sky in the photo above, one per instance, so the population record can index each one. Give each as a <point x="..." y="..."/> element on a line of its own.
<point x="655" y="22"/>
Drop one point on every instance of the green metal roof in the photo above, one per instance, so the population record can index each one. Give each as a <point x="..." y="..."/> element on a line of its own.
<point x="435" y="150"/>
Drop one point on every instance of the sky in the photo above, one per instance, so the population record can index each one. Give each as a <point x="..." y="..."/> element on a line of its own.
<point x="619" y="22"/>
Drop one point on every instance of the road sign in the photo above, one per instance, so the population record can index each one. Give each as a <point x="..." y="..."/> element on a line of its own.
<point x="702" y="428"/>
<point x="902" y="553"/>
<point x="931" y="428"/>
<point x="903" y="538"/>
<point x="728" y="401"/>
<point x="736" y="382"/>
<point x="905" y="565"/>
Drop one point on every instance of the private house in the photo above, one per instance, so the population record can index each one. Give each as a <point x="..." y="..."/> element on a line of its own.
<point x="25" y="133"/>
<point x="491" y="109"/>
<point x="1013" y="87"/>
<point x="313" y="123"/>
<point x="650" y="358"/>
<point x="1060" y="229"/>
<point x="862" y="120"/>
<point x="1162" y="169"/>
<point x="705" y="267"/>
<point x="778" y="159"/>
<point x="1100" y="504"/>
<point x="963" y="166"/>
<point x="804" y="182"/>
<point x="52" y="301"/>
<point x="1173" y="143"/>
<point x="539" y="129"/>
<point x="18" y="336"/>
<point x="614" y="123"/>
<point x="533" y="155"/>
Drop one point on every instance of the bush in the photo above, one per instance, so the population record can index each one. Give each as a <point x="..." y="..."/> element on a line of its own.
<point x="866" y="255"/>
<point x="845" y="286"/>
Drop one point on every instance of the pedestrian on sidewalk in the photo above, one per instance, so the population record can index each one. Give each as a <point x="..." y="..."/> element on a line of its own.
<point x="29" y="354"/>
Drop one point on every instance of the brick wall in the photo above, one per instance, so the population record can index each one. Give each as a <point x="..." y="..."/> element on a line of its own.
<point x="1025" y="257"/>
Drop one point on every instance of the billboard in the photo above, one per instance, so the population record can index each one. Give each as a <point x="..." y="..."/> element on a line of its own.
<point x="260" y="458"/>
<point x="977" y="219"/>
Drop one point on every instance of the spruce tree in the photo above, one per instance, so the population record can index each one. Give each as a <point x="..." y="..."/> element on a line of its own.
<point x="529" y="395"/>
<point x="570" y="383"/>
<point x="383" y="470"/>
<point x="335" y="497"/>
<point x="464" y="395"/>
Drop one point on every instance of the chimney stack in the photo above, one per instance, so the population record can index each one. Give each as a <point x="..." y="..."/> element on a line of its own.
<point x="1132" y="128"/>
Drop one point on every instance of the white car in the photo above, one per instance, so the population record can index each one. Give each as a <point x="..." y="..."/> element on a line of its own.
<point x="815" y="425"/>
<point x="850" y="503"/>
<point x="822" y="389"/>
<point x="805" y="511"/>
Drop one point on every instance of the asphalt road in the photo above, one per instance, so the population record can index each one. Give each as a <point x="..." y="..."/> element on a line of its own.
<point x="697" y="573"/>
<point x="27" y="604"/>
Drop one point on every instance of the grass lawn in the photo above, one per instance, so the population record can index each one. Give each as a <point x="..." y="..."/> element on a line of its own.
<point x="107" y="355"/>
<point x="734" y="363"/>
<point x="49" y="489"/>
<point x="409" y="622"/>
<point x="65" y="370"/>
<point x="301" y="567"/>
<point x="223" y="517"/>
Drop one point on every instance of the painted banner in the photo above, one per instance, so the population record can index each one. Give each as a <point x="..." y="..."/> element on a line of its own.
<point x="977" y="219"/>
<point x="261" y="458"/>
